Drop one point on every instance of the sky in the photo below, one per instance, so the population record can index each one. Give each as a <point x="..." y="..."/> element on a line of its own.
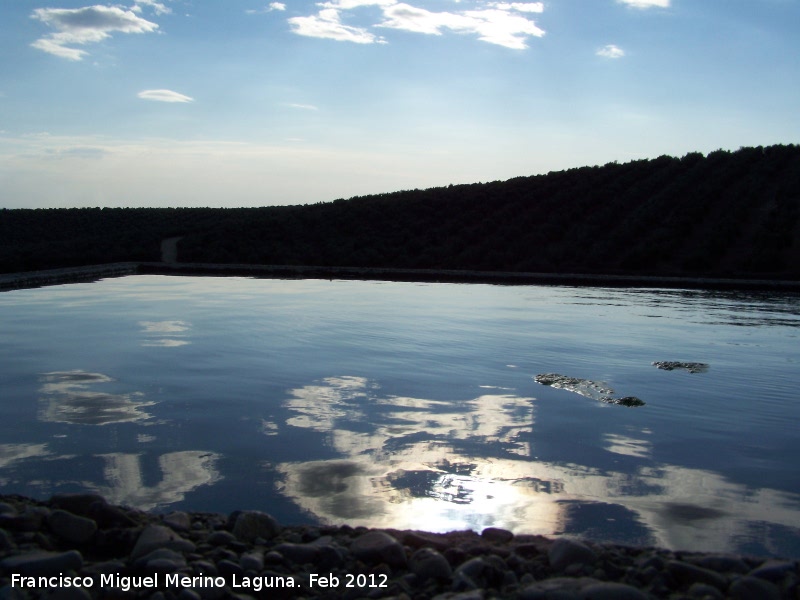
<point x="254" y="103"/>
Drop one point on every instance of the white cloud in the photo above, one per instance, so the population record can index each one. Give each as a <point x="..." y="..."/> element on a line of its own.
<point x="351" y="4"/>
<point x="327" y="24"/>
<point x="496" y="26"/>
<point x="273" y="6"/>
<point x="164" y="96"/>
<point x="79" y="26"/>
<point x="533" y="7"/>
<point x="503" y="28"/>
<point x="610" y="51"/>
<point x="302" y="106"/>
<point x="501" y="24"/>
<point x="646" y="3"/>
<point x="410" y="18"/>
<point x="158" y="7"/>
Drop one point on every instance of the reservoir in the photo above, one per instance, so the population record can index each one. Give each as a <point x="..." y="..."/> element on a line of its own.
<point x="432" y="406"/>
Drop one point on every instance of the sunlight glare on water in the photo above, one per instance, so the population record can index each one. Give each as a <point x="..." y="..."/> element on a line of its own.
<point x="413" y="405"/>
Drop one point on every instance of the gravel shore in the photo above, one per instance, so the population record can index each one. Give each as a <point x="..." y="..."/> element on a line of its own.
<point x="77" y="546"/>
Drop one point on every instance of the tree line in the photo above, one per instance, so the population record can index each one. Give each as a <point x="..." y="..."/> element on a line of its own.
<point x="725" y="214"/>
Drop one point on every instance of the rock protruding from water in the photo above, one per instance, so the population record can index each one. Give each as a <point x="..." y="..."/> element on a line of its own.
<point x="596" y="390"/>
<point x="676" y="365"/>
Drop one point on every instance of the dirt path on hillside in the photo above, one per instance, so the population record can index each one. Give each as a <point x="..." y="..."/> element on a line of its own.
<point x="169" y="250"/>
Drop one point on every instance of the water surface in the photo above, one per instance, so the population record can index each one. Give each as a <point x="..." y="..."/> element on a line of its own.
<point x="412" y="405"/>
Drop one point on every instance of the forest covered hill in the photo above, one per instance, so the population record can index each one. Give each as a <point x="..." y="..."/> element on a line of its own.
<point x="727" y="214"/>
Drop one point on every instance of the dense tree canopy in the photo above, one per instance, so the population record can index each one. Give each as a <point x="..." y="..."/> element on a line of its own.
<point x="731" y="214"/>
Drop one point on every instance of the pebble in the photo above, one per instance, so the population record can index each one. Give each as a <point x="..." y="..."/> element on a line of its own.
<point x="427" y="563"/>
<point x="70" y="527"/>
<point x="376" y="547"/>
<point x="154" y="537"/>
<point x="252" y="524"/>
<point x="42" y="563"/>
<point x="688" y="574"/>
<point x="565" y="552"/>
<point x="52" y="538"/>
<point x="748" y="588"/>
<point x="494" y="534"/>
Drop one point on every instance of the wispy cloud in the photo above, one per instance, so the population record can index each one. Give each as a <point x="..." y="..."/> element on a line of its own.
<point x="302" y="106"/>
<point x="646" y="3"/>
<point x="327" y="24"/>
<point x="158" y="7"/>
<point x="80" y="26"/>
<point x="532" y="7"/>
<point x="610" y="51"/>
<point x="273" y="6"/>
<point x="501" y="23"/>
<point x="164" y="96"/>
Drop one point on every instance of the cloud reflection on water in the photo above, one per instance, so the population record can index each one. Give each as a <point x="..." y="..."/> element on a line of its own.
<point x="181" y="472"/>
<point x="68" y="399"/>
<point x="11" y="453"/>
<point x="165" y="334"/>
<point x="435" y="465"/>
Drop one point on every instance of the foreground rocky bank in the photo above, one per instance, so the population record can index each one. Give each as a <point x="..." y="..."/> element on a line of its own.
<point x="77" y="546"/>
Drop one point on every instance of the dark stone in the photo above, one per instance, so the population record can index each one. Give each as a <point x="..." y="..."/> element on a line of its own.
<point x="611" y="591"/>
<point x="221" y="538"/>
<point x="748" y="588"/>
<point x="495" y="534"/>
<point x="154" y="537"/>
<point x="564" y="552"/>
<point x="252" y="524"/>
<point x="672" y="365"/>
<point x="42" y="563"/>
<point x="78" y="504"/>
<point x="70" y="527"/>
<point x="298" y="553"/>
<point x="688" y="574"/>
<point x="774" y="570"/>
<point x="376" y="547"/>
<point x="107" y="516"/>
<point x="631" y="401"/>
<point x="427" y="563"/>
<point x="721" y="563"/>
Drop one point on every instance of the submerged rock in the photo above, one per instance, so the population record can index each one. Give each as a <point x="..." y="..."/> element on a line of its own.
<point x="625" y="401"/>
<point x="596" y="390"/>
<point x="673" y="365"/>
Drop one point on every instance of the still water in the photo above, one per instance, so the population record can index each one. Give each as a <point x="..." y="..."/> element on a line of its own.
<point x="412" y="405"/>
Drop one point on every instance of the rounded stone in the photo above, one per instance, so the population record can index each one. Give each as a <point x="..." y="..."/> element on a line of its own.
<point x="253" y="524"/>
<point x="376" y="547"/>
<point x="70" y="527"/>
<point x="178" y="520"/>
<point x="154" y="537"/>
<point x="774" y="570"/>
<point x="564" y="552"/>
<point x="703" y="591"/>
<point x="42" y="563"/>
<point x="427" y="563"/>
<point x="78" y="503"/>
<point x="70" y="593"/>
<point x="748" y="587"/>
<point x="221" y="538"/>
<point x="252" y="561"/>
<point x="298" y="553"/>
<point x="495" y="534"/>
<point x="722" y="563"/>
<point x="611" y="591"/>
<point x="688" y="574"/>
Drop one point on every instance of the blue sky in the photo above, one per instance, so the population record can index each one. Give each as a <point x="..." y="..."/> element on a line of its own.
<point x="252" y="103"/>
